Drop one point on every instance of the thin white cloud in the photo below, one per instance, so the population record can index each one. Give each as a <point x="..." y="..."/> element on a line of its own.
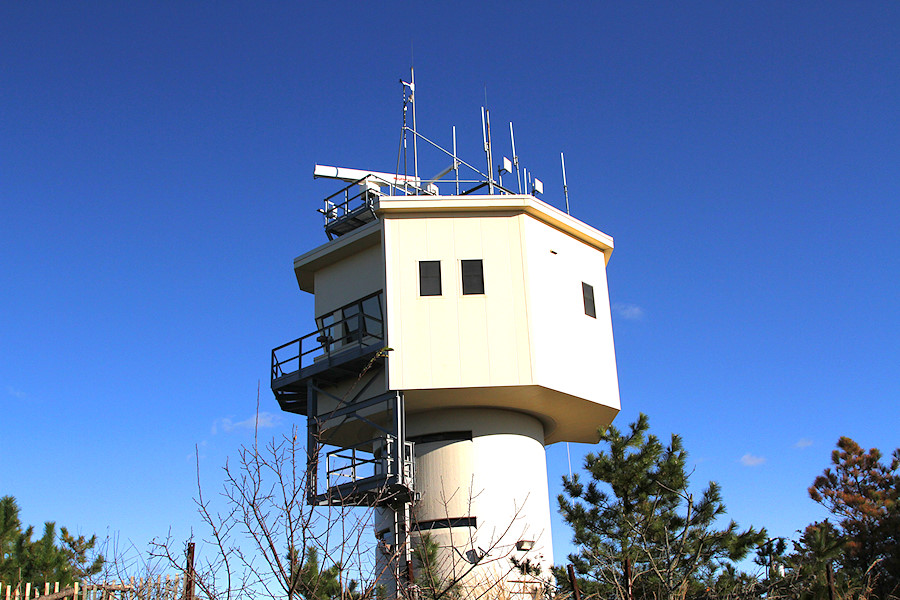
<point x="750" y="460"/>
<point x="15" y="392"/>
<point x="263" y="420"/>
<point x="267" y="419"/>
<point x="803" y="443"/>
<point x="629" y="312"/>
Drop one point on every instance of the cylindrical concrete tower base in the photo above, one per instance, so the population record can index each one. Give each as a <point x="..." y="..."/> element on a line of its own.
<point x="481" y="476"/>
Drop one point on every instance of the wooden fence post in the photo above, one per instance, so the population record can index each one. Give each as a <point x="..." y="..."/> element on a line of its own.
<point x="189" y="574"/>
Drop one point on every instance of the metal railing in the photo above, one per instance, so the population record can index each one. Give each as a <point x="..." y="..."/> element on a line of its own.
<point x="335" y="210"/>
<point x="357" y="463"/>
<point x="345" y="205"/>
<point x="360" y="329"/>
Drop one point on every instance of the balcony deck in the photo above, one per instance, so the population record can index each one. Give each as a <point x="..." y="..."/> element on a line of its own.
<point x="340" y="350"/>
<point x="290" y="389"/>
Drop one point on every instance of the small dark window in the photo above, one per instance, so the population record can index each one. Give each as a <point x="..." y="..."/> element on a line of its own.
<point x="588" y="291"/>
<point x="429" y="278"/>
<point x="472" y="277"/>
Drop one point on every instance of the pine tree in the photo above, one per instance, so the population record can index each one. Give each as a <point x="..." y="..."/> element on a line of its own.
<point x="50" y="558"/>
<point x="310" y="582"/>
<point x="819" y="546"/>
<point x="639" y="530"/>
<point x="427" y="567"/>
<point x="864" y="493"/>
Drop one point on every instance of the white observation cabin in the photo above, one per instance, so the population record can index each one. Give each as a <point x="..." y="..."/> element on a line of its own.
<point x="456" y="335"/>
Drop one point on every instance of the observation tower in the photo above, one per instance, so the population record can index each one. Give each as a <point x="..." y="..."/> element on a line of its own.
<point x="461" y="325"/>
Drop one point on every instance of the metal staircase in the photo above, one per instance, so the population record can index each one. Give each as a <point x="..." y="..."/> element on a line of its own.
<point x="357" y="451"/>
<point x="376" y="468"/>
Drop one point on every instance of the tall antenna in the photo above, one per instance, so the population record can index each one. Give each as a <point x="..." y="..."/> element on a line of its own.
<point x="512" y="138"/>
<point x="565" y="187"/>
<point x="401" y="152"/>
<point x="412" y="98"/>
<point x="486" y="134"/>
<point x="455" y="161"/>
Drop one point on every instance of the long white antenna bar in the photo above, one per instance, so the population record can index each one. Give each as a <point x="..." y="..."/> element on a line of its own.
<point x="565" y="187"/>
<point x="351" y="175"/>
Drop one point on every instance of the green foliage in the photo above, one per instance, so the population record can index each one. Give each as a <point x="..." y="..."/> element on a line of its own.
<point x="729" y="583"/>
<point x="864" y="493"/>
<point x="310" y="582"/>
<point x="428" y="572"/>
<point x="639" y="530"/>
<point x="819" y="546"/>
<point x="49" y="558"/>
<point x="855" y="559"/>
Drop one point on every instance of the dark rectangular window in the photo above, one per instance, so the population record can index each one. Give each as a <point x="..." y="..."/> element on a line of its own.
<point x="588" y="291"/>
<point x="347" y="325"/>
<point x="373" y="324"/>
<point x="350" y="322"/>
<point x="429" y="278"/>
<point x="472" y="277"/>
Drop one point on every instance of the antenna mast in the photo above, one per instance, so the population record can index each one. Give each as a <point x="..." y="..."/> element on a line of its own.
<point x="512" y="138"/>
<point x="486" y="134"/>
<point x="455" y="161"/>
<point x="412" y="98"/>
<point x="565" y="187"/>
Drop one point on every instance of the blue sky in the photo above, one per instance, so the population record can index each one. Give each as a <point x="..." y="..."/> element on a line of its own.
<point x="156" y="182"/>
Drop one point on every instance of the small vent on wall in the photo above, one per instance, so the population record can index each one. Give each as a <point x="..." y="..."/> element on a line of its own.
<point x="446" y="523"/>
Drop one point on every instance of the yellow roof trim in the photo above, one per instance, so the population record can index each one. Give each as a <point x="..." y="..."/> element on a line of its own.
<point x="388" y="205"/>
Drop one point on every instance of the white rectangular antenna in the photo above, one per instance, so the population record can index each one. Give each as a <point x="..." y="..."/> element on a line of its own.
<point x="538" y="186"/>
<point x="505" y="166"/>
